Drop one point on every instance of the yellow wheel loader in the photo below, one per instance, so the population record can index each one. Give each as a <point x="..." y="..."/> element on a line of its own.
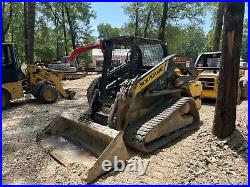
<point x="143" y="104"/>
<point x="40" y="82"/>
<point x="208" y="65"/>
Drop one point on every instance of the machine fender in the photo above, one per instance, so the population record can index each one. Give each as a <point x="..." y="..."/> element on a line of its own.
<point x="15" y="89"/>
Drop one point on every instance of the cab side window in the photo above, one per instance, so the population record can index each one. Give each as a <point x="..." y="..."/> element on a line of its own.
<point x="6" y="57"/>
<point x="201" y="62"/>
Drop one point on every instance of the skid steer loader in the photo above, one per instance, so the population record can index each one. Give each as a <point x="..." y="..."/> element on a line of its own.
<point x="143" y="104"/>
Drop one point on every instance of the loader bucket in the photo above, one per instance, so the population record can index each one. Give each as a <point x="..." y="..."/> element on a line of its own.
<point x="87" y="144"/>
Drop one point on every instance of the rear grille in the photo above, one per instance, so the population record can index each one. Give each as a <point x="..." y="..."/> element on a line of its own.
<point x="207" y="83"/>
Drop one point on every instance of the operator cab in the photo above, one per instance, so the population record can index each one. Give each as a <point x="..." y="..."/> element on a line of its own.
<point x="210" y="60"/>
<point x="11" y="68"/>
<point x="140" y="55"/>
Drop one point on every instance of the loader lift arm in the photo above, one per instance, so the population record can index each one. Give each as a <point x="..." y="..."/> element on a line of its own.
<point x="84" y="49"/>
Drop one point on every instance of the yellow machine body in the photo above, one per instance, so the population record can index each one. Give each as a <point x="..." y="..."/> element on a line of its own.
<point x="207" y="68"/>
<point x="37" y="74"/>
<point x="15" y="89"/>
<point x="39" y="81"/>
<point x="209" y="81"/>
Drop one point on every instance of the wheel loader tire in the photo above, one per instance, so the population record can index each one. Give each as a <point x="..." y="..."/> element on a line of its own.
<point x="244" y="89"/>
<point x="91" y="89"/>
<point x="48" y="94"/>
<point x="5" y="99"/>
<point x="38" y="88"/>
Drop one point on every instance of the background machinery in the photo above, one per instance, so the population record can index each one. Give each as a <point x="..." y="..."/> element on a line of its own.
<point x="145" y="103"/>
<point x="40" y="82"/>
<point x="70" y="70"/>
<point x="207" y="66"/>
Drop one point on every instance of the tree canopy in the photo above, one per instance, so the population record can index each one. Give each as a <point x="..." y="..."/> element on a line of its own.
<point x="61" y="27"/>
<point x="107" y="31"/>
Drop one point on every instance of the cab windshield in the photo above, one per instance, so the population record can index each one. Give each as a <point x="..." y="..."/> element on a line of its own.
<point x="151" y="54"/>
<point x="209" y="61"/>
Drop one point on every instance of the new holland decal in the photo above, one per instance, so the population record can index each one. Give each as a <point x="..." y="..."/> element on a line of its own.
<point x="155" y="74"/>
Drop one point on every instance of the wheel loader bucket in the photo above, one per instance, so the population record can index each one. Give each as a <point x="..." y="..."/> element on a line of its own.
<point x="87" y="144"/>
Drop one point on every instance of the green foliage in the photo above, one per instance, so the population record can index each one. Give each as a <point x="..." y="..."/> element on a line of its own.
<point x="107" y="31"/>
<point x="45" y="41"/>
<point x="86" y="58"/>
<point x="16" y="30"/>
<point x="210" y="40"/>
<point x="184" y="34"/>
<point x="81" y="13"/>
<point x="49" y="37"/>
<point x="189" y="41"/>
<point x="191" y="13"/>
<point x="192" y="42"/>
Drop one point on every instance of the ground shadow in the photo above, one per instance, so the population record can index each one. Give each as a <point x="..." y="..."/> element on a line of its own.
<point x="147" y="156"/>
<point x="19" y="103"/>
<point x="212" y="102"/>
<point x="28" y="100"/>
<point x="208" y="102"/>
<point x="133" y="152"/>
<point x="239" y="144"/>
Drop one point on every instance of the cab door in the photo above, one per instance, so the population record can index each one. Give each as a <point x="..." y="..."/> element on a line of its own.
<point x="11" y="71"/>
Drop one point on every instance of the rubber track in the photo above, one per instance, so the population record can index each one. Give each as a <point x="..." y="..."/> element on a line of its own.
<point x="135" y="133"/>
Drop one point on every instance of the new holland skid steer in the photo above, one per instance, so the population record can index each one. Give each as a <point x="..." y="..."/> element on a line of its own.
<point x="145" y="103"/>
<point x="40" y="82"/>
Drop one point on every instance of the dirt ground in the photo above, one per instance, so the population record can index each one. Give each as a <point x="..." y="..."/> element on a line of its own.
<point x="197" y="158"/>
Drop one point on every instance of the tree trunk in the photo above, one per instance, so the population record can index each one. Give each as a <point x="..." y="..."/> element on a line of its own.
<point x="136" y="19"/>
<point x="147" y="23"/>
<point x="25" y="16"/>
<point x="64" y="33"/>
<point x="218" y="27"/>
<point x="30" y="32"/>
<point x="163" y="22"/>
<point x="71" y="28"/>
<point x="8" y="22"/>
<point x="57" y="42"/>
<point x="225" y="111"/>
<point x="3" y="9"/>
<point x="12" y="35"/>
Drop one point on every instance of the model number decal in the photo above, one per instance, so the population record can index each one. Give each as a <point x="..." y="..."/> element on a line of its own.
<point x="150" y="78"/>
